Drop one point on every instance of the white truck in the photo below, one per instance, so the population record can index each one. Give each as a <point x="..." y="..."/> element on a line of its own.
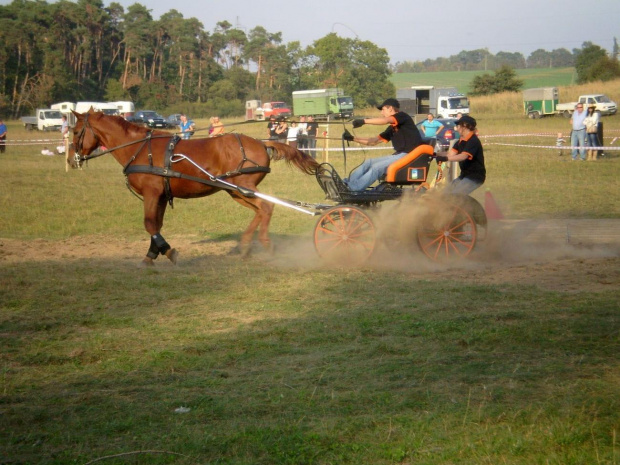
<point x="45" y="119"/>
<point x="443" y="102"/>
<point x="603" y="104"/>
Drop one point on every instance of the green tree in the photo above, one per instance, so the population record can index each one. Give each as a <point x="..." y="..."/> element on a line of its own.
<point x="539" y="58"/>
<point x="359" y="67"/>
<point x="514" y="60"/>
<point x="593" y="64"/>
<point x="504" y="80"/>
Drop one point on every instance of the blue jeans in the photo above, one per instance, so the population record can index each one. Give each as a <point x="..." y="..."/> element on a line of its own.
<point x="463" y="186"/>
<point x="371" y="170"/>
<point x="578" y="138"/>
<point x="593" y="140"/>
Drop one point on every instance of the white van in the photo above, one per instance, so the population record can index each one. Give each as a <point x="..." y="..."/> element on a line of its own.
<point x="107" y="108"/>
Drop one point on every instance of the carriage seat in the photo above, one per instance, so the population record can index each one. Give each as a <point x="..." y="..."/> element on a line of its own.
<point x="412" y="168"/>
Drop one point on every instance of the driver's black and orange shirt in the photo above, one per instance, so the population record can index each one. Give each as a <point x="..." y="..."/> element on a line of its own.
<point x="403" y="133"/>
<point x="473" y="166"/>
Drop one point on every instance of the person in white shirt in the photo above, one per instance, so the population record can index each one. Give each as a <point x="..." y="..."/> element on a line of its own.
<point x="578" y="135"/>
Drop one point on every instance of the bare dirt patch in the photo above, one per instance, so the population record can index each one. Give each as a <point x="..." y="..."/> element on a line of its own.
<point x="564" y="256"/>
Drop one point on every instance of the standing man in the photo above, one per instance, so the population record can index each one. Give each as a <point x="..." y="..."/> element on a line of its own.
<point x="403" y="134"/>
<point x="578" y="136"/>
<point x="312" y="129"/>
<point x="432" y="128"/>
<point x="2" y="136"/>
<point x="469" y="154"/>
<point x="187" y="127"/>
<point x="271" y="128"/>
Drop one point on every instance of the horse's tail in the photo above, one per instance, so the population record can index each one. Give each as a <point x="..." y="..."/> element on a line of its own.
<point x="301" y="160"/>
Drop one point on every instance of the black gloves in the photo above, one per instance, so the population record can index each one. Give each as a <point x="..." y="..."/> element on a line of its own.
<point x="346" y="135"/>
<point x="358" y="123"/>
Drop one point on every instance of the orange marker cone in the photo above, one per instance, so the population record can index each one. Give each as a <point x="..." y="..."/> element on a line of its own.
<point x="490" y="207"/>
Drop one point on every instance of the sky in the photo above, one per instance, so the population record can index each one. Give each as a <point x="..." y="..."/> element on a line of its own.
<point x="412" y="30"/>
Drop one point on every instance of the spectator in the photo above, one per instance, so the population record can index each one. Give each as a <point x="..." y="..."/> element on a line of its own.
<point x="271" y="128"/>
<point x="559" y="143"/>
<point x="2" y="136"/>
<point x="217" y="127"/>
<point x="403" y="134"/>
<point x="432" y="128"/>
<point x="302" y="140"/>
<point x="187" y="127"/>
<point x="468" y="152"/>
<point x="292" y="135"/>
<point x="591" y="122"/>
<point x="312" y="128"/>
<point x="578" y="135"/>
<point x="282" y="130"/>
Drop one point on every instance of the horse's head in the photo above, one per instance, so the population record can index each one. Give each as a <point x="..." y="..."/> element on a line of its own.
<point x="85" y="140"/>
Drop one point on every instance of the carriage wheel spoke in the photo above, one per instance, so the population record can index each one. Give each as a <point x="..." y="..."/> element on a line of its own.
<point x="345" y="234"/>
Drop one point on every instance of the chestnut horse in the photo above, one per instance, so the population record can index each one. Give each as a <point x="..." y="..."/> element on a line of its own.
<point x="159" y="166"/>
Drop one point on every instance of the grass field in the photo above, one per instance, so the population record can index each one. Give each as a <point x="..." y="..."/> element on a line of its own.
<point x="555" y="77"/>
<point x="284" y="360"/>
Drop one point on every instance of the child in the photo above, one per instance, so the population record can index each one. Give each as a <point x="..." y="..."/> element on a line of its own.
<point x="559" y="143"/>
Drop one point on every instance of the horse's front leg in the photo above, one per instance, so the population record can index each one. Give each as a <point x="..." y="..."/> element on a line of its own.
<point x="154" y="209"/>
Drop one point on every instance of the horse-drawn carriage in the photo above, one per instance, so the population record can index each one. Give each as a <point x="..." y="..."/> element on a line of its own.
<point x="443" y="226"/>
<point x="160" y="166"/>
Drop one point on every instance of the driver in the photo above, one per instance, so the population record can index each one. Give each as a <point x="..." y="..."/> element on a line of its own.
<point x="401" y="131"/>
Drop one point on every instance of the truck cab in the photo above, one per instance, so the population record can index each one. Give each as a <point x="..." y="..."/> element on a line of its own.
<point x="44" y="120"/>
<point x="341" y="106"/>
<point x="449" y="106"/>
<point x="276" y="109"/>
<point x="602" y="103"/>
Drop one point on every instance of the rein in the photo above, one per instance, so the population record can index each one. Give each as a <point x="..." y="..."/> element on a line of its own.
<point x="81" y="158"/>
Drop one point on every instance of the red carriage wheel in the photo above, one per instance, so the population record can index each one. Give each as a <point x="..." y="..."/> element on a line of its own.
<point x="345" y="235"/>
<point x="447" y="233"/>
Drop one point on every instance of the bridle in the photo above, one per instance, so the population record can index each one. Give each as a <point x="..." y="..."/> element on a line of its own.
<point x="79" y="146"/>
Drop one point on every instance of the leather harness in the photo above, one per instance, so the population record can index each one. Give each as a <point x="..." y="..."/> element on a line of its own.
<point x="167" y="172"/>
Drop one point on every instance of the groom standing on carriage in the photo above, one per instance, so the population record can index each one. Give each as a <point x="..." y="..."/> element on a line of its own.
<point x="403" y="134"/>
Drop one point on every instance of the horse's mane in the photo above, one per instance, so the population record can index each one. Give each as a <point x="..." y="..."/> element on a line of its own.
<point x="128" y="126"/>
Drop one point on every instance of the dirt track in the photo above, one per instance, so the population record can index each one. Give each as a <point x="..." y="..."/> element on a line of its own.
<point x="560" y="255"/>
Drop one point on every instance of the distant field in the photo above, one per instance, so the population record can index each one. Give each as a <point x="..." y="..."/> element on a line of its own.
<point x="462" y="79"/>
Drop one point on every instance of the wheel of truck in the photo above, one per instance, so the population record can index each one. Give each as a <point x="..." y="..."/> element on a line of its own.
<point x="29" y="127"/>
<point x="533" y="115"/>
<point x="345" y="235"/>
<point x="566" y="114"/>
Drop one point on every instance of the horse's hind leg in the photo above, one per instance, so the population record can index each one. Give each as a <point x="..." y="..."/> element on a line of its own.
<point x="266" y="210"/>
<point x="154" y="209"/>
<point x="262" y="216"/>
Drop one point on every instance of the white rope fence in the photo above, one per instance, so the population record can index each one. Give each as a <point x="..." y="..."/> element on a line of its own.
<point x="54" y="142"/>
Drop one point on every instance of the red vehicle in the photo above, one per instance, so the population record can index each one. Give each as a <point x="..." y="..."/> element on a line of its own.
<point x="276" y="109"/>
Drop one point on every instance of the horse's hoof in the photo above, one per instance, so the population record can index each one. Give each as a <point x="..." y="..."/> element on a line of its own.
<point x="172" y="255"/>
<point x="269" y="247"/>
<point x="146" y="263"/>
<point x="245" y="250"/>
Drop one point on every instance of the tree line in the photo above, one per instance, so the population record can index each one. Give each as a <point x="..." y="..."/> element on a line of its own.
<point x="84" y="51"/>
<point x="483" y="60"/>
<point x="72" y="51"/>
<point x="592" y="63"/>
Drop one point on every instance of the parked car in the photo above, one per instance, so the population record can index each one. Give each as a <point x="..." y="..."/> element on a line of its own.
<point x="149" y="118"/>
<point x="174" y="120"/>
<point x="445" y="136"/>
